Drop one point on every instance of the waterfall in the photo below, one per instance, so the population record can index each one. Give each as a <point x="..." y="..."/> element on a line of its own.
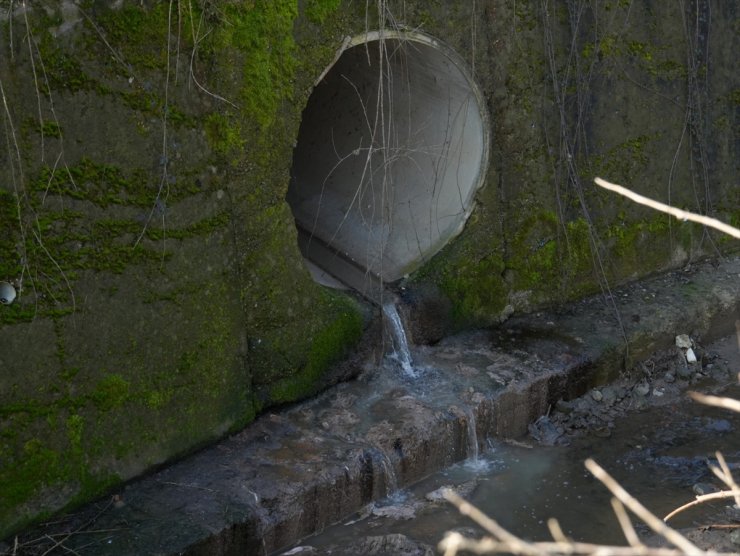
<point x="472" y="435"/>
<point x="401" y="351"/>
<point x="389" y="473"/>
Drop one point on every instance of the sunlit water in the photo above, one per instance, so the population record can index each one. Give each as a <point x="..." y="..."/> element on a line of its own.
<point x="658" y="455"/>
<point x="401" y="351"/>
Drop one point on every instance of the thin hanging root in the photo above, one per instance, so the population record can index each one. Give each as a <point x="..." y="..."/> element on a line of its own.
<point x="163" y="190"/>
<point x="673" y="211"/>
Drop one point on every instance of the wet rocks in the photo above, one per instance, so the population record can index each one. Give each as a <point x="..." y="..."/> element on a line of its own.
<point x="397" y="511"/>
<point x="683" y="369"/>
<point x="683" y="341"/>
<point x="544" y="431"/>
<point x="380" y="545"/>
<point x="642" y="389"/>
<point x="463" y="490"/>
<point x="657" y="381"/>
<point x="701" y="489"/>
<point x="396" y="544"/>
<point x="686" y="350"/>
<point x="300" y="550"/>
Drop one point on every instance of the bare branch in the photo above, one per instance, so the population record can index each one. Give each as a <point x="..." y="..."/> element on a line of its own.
<point x="716" y="401"/>
<point x="725" y="475"/>
<point x="487" y="523"/>
<point x="502" y="541"/>
<point x="624" y="521"/>
<point x="703" y="498"/>
<point x="455" y="542"/>
<point x="673" y="211"/>
<point x="556" y="531"/>
<point x="671" y="535"/>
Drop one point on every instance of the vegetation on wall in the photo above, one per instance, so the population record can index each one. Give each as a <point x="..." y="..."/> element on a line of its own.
<point x="132" y="218"/>
<point x="577" y="90"/>
<point x="146" y="158"/>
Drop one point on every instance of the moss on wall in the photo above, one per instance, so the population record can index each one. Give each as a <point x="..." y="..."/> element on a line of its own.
<point x="142" y="205"/>
<point x="574" y="94"/>
<point x="144" y="221"/>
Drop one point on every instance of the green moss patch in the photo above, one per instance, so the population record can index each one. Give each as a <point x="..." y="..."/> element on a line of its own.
<point x="329" y="345"/>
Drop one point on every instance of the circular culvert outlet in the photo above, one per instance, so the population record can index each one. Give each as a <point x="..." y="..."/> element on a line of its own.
<point x="393" y="145"/>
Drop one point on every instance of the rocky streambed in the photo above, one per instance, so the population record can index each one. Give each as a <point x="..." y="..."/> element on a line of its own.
<point x="658" y="447"/>
<point x="317" y="463"/>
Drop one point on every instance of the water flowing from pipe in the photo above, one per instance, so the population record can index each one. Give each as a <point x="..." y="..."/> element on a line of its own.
<point x="401" y="352"/>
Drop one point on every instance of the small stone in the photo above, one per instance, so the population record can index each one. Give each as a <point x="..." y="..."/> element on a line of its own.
<point x="325" y="425"/>
<point x="690" y="356"/>
<point x="718" y="425"/>
<point x="597" y="395"/>
<point x="300" y="550"/>
<point x="684" y="371"/>
<point x="544" y="431"/>
<point x="437" y="495"/>
<point x="703" y="488"/>
<point x="609" y="395"/>
<point x="657" y="393"/>
<point x="564" y="407"/>
<point x="683" y="341"/>
<point x="732" y="513"/>
<point x="400" y="511"/>
<point x="642" y="389"/>
<point x="669" y="377"/>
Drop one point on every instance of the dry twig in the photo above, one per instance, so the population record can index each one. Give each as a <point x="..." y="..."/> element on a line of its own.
<point x="669" y="534"/>
<point x="701" y="499"/>
<point x="496" y="544"/>
<point x="724" y="474"/>
<point x="716" y="401"/>
<point x="626" y="524"/>
<point x="673" y="211"/>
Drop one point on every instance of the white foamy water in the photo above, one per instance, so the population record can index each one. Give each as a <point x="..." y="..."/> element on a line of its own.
<point x="401" y="352"/>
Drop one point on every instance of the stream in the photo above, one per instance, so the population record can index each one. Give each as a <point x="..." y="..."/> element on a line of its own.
<point x="658" y="453"/>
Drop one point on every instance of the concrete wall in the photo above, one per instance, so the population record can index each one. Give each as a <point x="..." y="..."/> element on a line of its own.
<point x="639" y="93"/>
<point x="145" y="161"/>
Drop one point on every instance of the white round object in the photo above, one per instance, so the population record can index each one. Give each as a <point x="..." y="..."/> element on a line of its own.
<point x="7" y="293"/>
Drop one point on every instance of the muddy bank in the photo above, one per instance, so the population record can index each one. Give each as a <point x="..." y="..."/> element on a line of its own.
<point x="298" y="471"/>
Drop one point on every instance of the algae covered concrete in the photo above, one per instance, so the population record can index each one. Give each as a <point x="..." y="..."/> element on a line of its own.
<point x="295" y="472"/>
<point x="145" y="161"/>
<point x="640" y="93"/>
<point x="163" y="301"/>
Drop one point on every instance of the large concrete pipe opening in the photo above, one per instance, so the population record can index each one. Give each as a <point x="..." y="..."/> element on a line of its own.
<point x="393" y="145"/>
